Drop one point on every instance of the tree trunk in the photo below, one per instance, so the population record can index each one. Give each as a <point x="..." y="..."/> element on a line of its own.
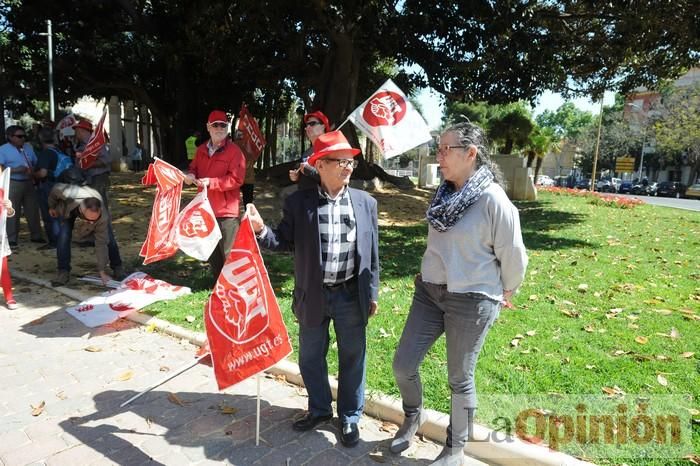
<point x="538" y="165"/>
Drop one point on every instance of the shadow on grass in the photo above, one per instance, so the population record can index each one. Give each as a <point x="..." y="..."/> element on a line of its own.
<point x="539" y="217"/>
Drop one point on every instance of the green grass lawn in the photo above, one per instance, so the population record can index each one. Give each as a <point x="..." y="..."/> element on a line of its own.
<point x="611" y="300"/>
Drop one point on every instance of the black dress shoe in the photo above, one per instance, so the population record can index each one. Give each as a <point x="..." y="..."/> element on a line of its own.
<point x="308" y="421"/>
<point x="349" y="434"/>
<point x="37" y="240"/>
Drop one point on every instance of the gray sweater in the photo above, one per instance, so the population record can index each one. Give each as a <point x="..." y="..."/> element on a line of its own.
<point x="482" y="253"/>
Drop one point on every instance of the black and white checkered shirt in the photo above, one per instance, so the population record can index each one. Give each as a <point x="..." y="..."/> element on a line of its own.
<point x="336" y="224"/>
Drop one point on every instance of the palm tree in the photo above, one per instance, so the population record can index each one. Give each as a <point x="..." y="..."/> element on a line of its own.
<point x="541" y="142"/>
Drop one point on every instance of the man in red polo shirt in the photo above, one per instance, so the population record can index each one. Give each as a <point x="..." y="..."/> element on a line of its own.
<point x="219" y="165"/>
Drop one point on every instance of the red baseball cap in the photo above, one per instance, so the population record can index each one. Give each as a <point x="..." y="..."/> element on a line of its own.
<point x="330" y="143"/>
<point x="216" y="116"/>
<point x="320" y="117"/>
<point x="83" y="124"/>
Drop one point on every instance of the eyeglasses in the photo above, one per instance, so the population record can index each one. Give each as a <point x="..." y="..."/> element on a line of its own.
<point x="344" y="163"/>
<point x="311" y="124"/>
<point x="19" y="136"/>
<point x="218" y="125"/>
<point x="447" y="147"/>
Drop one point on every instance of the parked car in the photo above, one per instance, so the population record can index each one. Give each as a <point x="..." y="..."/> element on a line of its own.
<point x="544" y="180"/>
<point x="611" y="185"/>
<point x="693" y="191"/>
<point x="625" y="187"/>
<point x="645" y="190"/>
<point x="671" y="189"/>
<point x="583" y="183"/>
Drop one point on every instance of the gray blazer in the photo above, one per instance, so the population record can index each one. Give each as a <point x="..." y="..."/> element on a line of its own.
<point x="298" y="232"/>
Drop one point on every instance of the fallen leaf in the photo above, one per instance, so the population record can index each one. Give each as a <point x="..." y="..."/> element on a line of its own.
<point x="533" y="297"/>
<point x="695" y="459"/>
<point x="693" y="411"/>
<point x="151" y="328"/>
<point x="661" y="357"/>
<point x="687" y="354"/>
<point x="590" y="366"/>
<point x="38" y="409"/>
<point x="674" y="333"/>
<point x="664" y="312"/>
<point x="514" y="342"/>
<point x="190" y="319"/>
<point x="662" y="380"/>
<point x="388" y="427"/>
<point x="164" y="369"/>
<point x="620" y="352"/>
<point x="38" y="321"/>
<point x="572" y="313"/>
<point x="519" y="336"/>
<point x="531" y="333"/>
<point x="589" y="328"/>
<point x="149" y="421"/>
<point x="61" y="396"/>
<point x="582" y="288"/>
<point x="125" y="376"/>
<point x="641" y="340"/>
<point x="173" y="398"/>
<point x="225" y="409"/>
<point x="377" y="457"/>
<point x="92" y="349"/>
<point x="383" y="333"/>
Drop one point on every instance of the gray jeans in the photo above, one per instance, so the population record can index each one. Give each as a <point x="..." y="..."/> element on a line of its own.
<point x="465" y="318"/>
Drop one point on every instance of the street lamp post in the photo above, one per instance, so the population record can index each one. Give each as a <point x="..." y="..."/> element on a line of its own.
<point x="49" y="35"/>
<point x="597" y="145"/>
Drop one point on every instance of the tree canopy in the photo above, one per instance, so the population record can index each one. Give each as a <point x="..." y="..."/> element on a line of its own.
<point x="181" y="58"/>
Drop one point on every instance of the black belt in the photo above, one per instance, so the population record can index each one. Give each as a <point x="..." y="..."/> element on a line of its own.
<point x="342" y="285"/>
<point x="14" y="179"/>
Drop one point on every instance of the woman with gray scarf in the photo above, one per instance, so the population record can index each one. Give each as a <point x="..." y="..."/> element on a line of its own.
<point x="474" y="261"/>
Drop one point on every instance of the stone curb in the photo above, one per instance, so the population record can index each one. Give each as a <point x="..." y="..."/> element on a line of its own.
<point x="507" y="451"/>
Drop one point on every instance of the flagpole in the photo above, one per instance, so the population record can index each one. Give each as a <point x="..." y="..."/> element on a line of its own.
<point x="257" y="415"/>
<point x="169" y="377"/>
<point x="342" y="124"/>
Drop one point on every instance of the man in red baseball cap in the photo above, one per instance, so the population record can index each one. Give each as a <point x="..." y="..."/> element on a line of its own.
<point x="333" y="232"/>
<point x="219" y="165"/>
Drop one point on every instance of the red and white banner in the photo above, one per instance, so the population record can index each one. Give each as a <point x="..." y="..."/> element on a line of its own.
<point x="166" y="205"/>
<point x="253" y="141"/>
<point x="66" y="122"/>
<point x="196" y="231"/>
<point x="4" y="196"/>
<point x="391" y="121"/>
<point x="244" y="325"/>
<point x="94" y="145"/>
<point x="136" y="291"/>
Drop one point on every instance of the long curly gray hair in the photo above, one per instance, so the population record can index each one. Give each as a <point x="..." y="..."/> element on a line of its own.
<point x="468" y="134"/>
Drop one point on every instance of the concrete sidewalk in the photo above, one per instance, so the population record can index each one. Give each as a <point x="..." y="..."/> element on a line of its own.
<point x="82" y="375"/>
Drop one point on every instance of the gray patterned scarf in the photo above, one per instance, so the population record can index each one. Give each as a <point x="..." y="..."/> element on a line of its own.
<point x="449" y="206"/>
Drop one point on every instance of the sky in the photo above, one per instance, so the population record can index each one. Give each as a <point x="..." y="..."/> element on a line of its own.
<point x="432" y="107"/>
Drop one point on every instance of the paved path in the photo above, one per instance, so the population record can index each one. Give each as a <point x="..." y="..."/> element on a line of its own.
<point x="82" y="375"/>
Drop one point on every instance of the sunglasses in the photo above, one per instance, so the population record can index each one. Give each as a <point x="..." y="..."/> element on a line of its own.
<point x="218" y="125"/>
<point x="19" y="136"/>
<point x="311" y="124"/>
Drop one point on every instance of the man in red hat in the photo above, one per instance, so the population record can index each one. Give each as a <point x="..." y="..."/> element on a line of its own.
<point x="333" y="232"/>
<point x="219" y="165"/>
<point x="306" y="176"/>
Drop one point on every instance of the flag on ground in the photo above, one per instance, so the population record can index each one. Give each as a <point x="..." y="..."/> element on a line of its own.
<point x="244" y="325"/>
<point x="391" y="121"/>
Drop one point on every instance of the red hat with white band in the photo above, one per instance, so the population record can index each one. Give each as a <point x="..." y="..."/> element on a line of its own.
<point x="330" y="143"/>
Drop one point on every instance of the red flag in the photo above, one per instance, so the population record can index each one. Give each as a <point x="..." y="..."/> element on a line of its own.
<point x="253" y="141"/>
<point x="166" y="205"/>
<point x="94" y="145"/>
<point x="244" y="325"/>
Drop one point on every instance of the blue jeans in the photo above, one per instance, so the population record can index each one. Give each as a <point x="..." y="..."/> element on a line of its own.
<point x="342" y="306"/>
<point x="51" y="225"/>
<point x="65" y="236"/>
<point x="465" y="319"/>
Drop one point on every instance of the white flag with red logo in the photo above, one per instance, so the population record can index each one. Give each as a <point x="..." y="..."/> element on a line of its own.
<point x="4" y="196"/>
<point x="196" y="231"/>
<point x="94" y="145"/>
<point x="244" y="325"/>
<point x="135" y="292"/>
<point x="391" y="121"/>
<point x="253" y="141"/>
<point x="166" y="205"/>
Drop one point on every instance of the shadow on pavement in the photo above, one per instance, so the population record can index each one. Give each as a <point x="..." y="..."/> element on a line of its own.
<point x="59" y="324"/>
